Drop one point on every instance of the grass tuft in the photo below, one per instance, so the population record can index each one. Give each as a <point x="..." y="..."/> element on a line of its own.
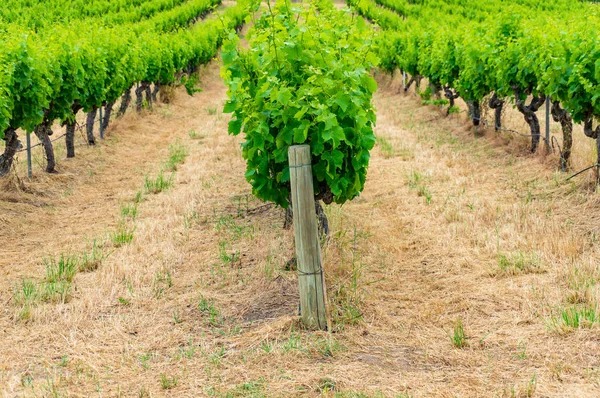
<point x="168" y="383"/>
<point x="90" y="261"/>
<point x="518" y="263"/>
<point x="574" y="317"/>
<point x="122" y="236"/>
<point x="459" y="338"/>
<point x="62" y="269"/>
<point x="158" y="184"/>
<point x="387" y="150"/>
<point x="177" y="154"/>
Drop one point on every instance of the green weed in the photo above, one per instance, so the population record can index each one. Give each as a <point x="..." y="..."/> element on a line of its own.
<point x="217" y="356"/>
<point x="293" y="343"/>
<point x="26" y="295"/>
<point x="249" y="389"/>
<point x="168" y="383"/>
<point x="574" y="317"/>
<point x="226" y="257"/>
<point x="162" y="280"/>
<point x="130" y="210"/>
<point x="208" y="308"/>
<point x="416" y="181"/>
<point x="158" y="184"/>
<point x="56" y="292"/>
<point x="266" y="346"/>
<point x="459" y="338"/>
<point x="177" y="154"/>
<point x="386" y="147"/>
<point x="138" y="198"/>
<point x="194" y="135"/>
<point x="62" y="269"/>
<point x="453" y="109"/>
<point x="91" y="260"/>
<point x="122" y="236"/>
<point x="124" y="301"/>
<point x="188" y="351"/>
<point x="518" y="263"/>
<point x="227" y="224"/>
<point x="327" y="346"/>
<point x="145" y="359"/>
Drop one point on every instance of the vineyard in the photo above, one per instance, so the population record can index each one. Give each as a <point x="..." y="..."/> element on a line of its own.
<point x="370" y="198"/>
<point x="517" y="52"/>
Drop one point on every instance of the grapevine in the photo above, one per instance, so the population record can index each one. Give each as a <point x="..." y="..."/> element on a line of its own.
<point x="305" y="79"/>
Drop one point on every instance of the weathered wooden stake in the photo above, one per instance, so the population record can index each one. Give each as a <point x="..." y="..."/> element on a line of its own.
<point x="101" y="127"/>
<point x="308" y="252"/>
<point x="29" y="168"/>
<point x="548" y="123"/>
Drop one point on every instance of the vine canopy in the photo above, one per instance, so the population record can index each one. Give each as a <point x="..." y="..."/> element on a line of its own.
<point x="305" y="79"/>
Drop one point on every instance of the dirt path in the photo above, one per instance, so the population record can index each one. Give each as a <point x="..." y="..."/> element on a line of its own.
<point x="200" y="304"/>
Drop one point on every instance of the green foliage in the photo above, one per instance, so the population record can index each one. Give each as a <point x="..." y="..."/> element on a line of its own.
<point x="56" y="60"/>
<point x="122" y="236"/>
<point x="518" y="262"/>
<point x="208" y="308"/>
<point x="177" y="154"/>
<point x="513" y="49"/>
<point x="168" y="383"/>
<point x="90" y="261"/>
<point x="574" y="317"/>
<point x="158" y="184"/>
<point x="459" y="338"/>
<point x="62" y="269"/>
<point x="304" y="80"/>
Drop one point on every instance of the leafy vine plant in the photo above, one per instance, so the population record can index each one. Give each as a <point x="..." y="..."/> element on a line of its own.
<point x="304" y="78"/>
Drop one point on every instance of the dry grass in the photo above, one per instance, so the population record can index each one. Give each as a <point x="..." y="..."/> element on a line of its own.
<point x="449" y="276"/>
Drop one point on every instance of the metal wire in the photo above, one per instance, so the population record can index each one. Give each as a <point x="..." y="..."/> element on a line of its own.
<point x="53" y="140"/>
<point x="584" y="170"/>
<point x="500" y="128"/>
<point x="79" y="128"/>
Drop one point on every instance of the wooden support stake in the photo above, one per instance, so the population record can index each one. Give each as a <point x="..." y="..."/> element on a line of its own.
<point x="308" y="252"/>
<point x="548" y="123"/>
<point x="101" y="127"/>
<point x="29" y="168"/>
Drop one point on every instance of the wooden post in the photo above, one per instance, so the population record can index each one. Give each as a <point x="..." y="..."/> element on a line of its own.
<point x="548" y="123"/>
<point x="29" y="168"/>
<point x="311" y="280"/>
<point x="101" y="127"/>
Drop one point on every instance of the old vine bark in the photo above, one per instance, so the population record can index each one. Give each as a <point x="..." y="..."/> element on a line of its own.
<point x="531" y="118"/>
<point x="70" y="139"/>
<point x="497" y="104"/>
<point x="139" y="95"/>
<point x="451" y="95"/>
<point x="125" y="101"/>
<point x="106" y="117"/>
<point x="12" y="146"/>
<point x="475" y="111"/>
<point x="322" y="221"/>
<point x="566" y="122"/>
<point x="43" y="132"/>
<point x="413" y="79"/>
<point x="148" y="91"/>
<point x="89" y="126"/>
<point x="155" y="91"/>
